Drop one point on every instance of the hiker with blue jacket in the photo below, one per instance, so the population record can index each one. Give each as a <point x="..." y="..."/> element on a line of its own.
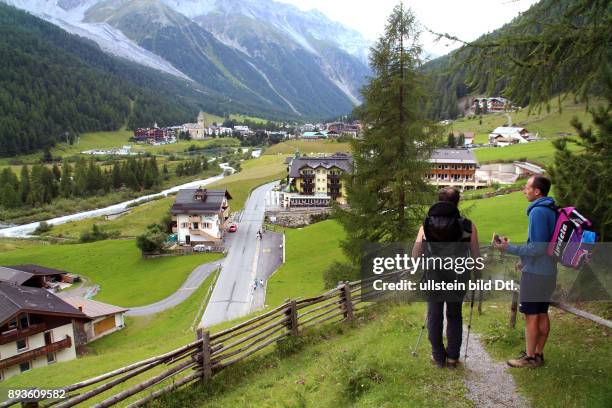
<point x="538" y="270"/>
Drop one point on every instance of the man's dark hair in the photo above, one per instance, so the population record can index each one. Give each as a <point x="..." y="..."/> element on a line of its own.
<point x="542" y="183"/>
<point x="449" y="194"/>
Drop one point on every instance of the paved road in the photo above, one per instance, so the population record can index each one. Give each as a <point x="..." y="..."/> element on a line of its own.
<point x="270" y="259"/>
<point x="193" y="281"/>
<point x="232" y="296"/>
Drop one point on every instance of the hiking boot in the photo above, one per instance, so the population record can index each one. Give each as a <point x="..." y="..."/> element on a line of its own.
<point x="523" y="361"/>
<point x="438" y="363"/>
<point x="452" y="363"/>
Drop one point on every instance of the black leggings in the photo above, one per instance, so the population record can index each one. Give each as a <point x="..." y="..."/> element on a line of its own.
<point x="454" y="329"/>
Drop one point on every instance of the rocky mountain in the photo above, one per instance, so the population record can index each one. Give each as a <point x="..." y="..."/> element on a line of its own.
<point x="259" y="53"/>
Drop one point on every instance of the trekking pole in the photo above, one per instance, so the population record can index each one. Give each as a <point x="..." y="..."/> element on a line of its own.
<point x="467" y="338"/>
<point x="414" y="352"/>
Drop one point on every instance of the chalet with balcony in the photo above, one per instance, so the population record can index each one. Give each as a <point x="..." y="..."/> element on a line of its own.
<point x="36" y="329"/>
<point x="316" y="181"/>
<point x="454" y="168"/>
<point x="199" y="215"/>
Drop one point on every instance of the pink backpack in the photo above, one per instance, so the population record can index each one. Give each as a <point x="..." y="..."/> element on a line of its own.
<point x="572" y="242"/>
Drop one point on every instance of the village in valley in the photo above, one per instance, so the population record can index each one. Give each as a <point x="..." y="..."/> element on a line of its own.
<point x="202" y="220"/>
<point x="198" y="223"/>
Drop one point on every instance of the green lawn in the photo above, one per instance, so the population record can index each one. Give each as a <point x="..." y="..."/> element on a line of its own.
<point x="309" y="251"/>
<point x="505" y="215"/>
<point x="541" y="152"/>
<point x="125" y="278"/>
<point x="308" y="146"/>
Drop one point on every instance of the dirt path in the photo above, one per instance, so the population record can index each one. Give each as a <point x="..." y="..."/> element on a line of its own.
<point x="488" y="381"/>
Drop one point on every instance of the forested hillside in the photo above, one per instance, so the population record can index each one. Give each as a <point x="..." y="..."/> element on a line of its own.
<point x="52" y="82"/>
<point x="451" y="74"/>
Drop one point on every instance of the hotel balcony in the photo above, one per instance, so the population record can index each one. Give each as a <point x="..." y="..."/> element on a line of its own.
<point x="35" y="353"/>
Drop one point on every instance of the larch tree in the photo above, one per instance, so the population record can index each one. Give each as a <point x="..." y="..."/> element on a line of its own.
<point x="387" y="189"/>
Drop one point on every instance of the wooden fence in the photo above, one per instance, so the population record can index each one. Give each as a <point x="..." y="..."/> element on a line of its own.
<point x="210" y="353"/>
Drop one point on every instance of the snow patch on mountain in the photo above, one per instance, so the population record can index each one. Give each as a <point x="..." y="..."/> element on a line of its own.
<point x="108" y="38"/>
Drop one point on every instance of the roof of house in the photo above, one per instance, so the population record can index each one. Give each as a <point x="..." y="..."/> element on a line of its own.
<point x="186" y="201"/>
<point x="37" y="270"/>
<point x="315" y="134"/>
<point x="93" y="308"/>
<point x="467" y="135"/>
<point x="15" y="299"/>
<point x="288" y="159"/>
<point x="11" y="275"/>
<point x="508" y="130"/>
<point x="341" y="160"/>
<point x="529" y="167"/>
<point x="453" y="156"/>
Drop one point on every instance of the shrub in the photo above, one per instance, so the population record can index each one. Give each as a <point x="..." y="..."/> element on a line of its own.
<point x="337" y="272"/>
<point x="152" y="240"/>
<point x="96" y="234"/>
<point x="43" y="227"/>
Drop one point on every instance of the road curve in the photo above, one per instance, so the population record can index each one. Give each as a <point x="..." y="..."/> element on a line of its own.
<point x="193" y="282"/>
<point x="232" y="295"/>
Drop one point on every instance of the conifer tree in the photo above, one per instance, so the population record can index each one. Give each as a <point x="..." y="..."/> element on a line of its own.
<point x="66" y="180"/>
<point x="24" y="185"/>
<point x="387" y="191"/>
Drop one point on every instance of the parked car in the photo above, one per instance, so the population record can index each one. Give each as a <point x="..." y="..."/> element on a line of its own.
<point x="201" y="248"/>
<point x="233" y="228"/>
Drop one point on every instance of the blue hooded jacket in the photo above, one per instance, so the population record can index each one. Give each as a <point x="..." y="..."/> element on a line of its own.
<point x="542" y="221"/>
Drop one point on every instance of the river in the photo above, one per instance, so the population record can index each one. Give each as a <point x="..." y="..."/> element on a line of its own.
<point x="26" y="229"/>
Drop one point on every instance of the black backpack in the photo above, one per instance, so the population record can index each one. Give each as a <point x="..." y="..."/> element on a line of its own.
<point x="443" y="227"/>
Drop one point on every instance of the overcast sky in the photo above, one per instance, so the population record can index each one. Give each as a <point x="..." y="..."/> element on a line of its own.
<point x="466" y="19"/>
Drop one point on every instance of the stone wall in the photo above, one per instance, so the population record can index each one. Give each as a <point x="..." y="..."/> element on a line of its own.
<point x="298" y="217"/>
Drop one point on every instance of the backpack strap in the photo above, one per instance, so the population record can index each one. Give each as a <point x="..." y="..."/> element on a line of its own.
<point x="466" y="225"/>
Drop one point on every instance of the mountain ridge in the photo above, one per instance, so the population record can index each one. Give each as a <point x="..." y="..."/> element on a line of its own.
<point x="212" y="43"/>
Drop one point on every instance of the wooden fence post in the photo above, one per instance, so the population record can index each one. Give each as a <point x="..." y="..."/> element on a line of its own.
<point x="346" y="303"/>
<point x="204" y="336"/>
<point x="513" y="308"/>
<point x="292" y="321"/>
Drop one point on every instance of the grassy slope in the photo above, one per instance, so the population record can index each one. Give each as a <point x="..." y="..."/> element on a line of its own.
<point x="504" y="214"/>
<point x="308" y="146"/>
<point x="309" y="252"/>
<point x="541" y="152"/>
<point x="367" y="365"/>
<point x="139" y="340"/>
<point x="547" y="124"/>
<point x="125" y="278"/>
<point x="129" y="225"/>
<point x="575" y="358"/>
<point x="254" y="173"/>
